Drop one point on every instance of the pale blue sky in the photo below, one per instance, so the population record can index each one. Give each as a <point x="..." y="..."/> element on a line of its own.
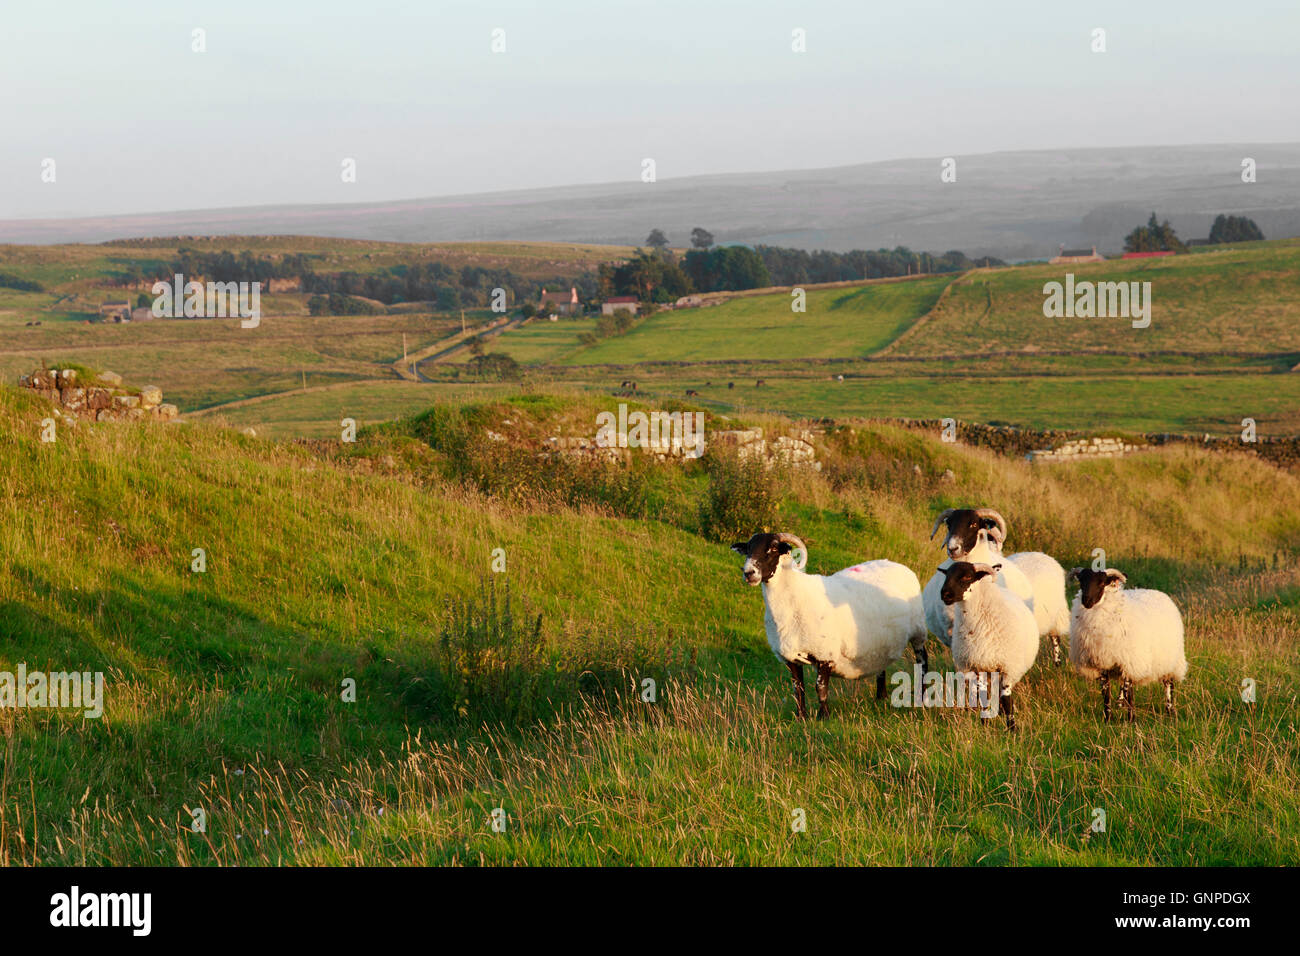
<point x="137" y="122"/>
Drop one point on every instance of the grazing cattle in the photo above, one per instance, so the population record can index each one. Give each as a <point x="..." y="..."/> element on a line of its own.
<point x="731" y="385"/>
<point x="690" y="392"/>
<point x="760" y="383"/>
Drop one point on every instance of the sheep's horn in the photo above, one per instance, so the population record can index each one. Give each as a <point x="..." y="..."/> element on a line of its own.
<point x="986" y="568"/>
<point x="795" y="542"/>
<point x="1123" y="578"/>
<point x="943" y="516"/>
<point x="990" y="513"/>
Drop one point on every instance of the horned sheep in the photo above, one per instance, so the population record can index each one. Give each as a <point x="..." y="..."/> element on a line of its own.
<point x="850" y="624"/>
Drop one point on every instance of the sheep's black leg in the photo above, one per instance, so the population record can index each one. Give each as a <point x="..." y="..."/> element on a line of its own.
<point x="1056" y="649"/>
<point x="1169" y="696"/>
<point x="1127" y="693"/>
<point x="823" y="690"/>
<point x="922" y="658"/>
<point x="796" y="675"/>
<point x="1009" y="704"/>
<point x="880" y="686"/>
<point x="1104" y="681"/>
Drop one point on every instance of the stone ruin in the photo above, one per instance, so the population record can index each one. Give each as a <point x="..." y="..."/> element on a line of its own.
<point x="102" y="399"/>
<point x="1083" y="448"/>
<point x="795" y="450"/>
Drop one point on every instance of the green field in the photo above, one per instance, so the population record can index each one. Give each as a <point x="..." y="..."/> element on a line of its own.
<point x="1229" y="300"/>
<point x="373" y="563"/>
<point x="1214" y="403"/>
<point x="1220" y="347"/>
<point x="839" y="323"/>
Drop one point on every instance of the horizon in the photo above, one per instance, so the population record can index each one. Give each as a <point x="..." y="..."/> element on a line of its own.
<point x="615" y="182"/>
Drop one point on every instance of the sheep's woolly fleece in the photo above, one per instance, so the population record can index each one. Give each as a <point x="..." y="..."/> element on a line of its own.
<point x="858" y="620"/>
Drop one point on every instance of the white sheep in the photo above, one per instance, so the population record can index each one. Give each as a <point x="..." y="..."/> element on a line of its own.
<point x="1134" y="635"/>
<point x="1046" y="579"/>
<point x="993" y="631"/>
<point x="849" y="624"/>
<point x="974" y="535"/>
<point x="1035" y="576"/>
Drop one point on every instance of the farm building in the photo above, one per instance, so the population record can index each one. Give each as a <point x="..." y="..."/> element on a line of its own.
<point x="115" y="311"/>
<point x="559" y="303"/>
<point x="616" y="302"/>
<point x="1067" y="256"/>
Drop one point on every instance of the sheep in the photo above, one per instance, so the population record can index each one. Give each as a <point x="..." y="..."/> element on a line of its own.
<point x="1134" y="635"/>
<point x="848" y="624"/>
<point x="1036" y="576"/>
<point x="975" y="535"/>
<point x="993" y="631"/>
<point x="1046" y="579"/>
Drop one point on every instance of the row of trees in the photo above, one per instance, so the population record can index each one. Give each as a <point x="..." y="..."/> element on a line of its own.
<point x="1158" y="236"/>
<point x="658" y="276"/>
<point x="795" y="266"/>
<point x="436" y="282"/>
<point x="1234" y="229"/>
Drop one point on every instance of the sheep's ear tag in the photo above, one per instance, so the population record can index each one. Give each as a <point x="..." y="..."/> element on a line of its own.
<point x="799" y="558"/>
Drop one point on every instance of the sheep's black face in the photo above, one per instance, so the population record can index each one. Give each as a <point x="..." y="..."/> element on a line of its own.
<point x="1094" y="584"/>
<point x="958" y="577"/>
<point x="762" y="555"/>
<point x="963" y="530"/>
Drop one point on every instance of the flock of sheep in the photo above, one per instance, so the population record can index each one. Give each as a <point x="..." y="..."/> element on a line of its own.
<point x="991" y="610"/>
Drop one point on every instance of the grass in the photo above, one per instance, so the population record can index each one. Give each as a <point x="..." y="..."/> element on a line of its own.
<point x="1230" y="300"/>
<point x="1214" y="403"/>
<point x="1220" y="347"/>
<point x="223" y="689"/>
<point x="839" y="323"/>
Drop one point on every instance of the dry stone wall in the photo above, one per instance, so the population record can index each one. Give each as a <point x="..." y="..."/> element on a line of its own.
<point x="101" y="399"/>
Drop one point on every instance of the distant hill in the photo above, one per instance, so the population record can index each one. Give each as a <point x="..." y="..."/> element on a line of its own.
<point x="1012" y="204"/>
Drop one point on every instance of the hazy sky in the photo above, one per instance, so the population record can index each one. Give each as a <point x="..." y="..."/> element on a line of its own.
<point x="137" y="122"/>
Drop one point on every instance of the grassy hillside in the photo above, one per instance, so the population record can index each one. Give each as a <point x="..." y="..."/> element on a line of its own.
<point x="1229" y="300"/>
<point x="373" y="562"/>
<point x="839" y="323"/>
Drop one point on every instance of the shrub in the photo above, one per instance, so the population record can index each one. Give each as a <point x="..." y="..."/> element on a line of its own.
<point x="493" y="665"/>
<point x="743" y="496"/>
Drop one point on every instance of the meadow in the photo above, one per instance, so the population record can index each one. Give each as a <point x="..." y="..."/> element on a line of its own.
<point x="355" y="677"/>
<point x="521" y="689"/>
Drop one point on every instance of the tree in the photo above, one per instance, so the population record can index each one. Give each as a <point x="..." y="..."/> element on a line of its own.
<point x="1234" y="229"/>
<point x="701" y="238"/>
<point x="657" y="240"/>
<point x="1155" y="236"/>
<point x="726" y="268"/>
<point x="649" y="277"/>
